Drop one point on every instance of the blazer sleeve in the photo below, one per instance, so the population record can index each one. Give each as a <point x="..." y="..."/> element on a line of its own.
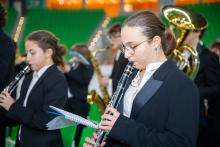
<point x="55" y="95"/>
<point x="179" y="130"/>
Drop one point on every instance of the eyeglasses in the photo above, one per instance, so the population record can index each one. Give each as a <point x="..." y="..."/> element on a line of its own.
<point x="131" y="49"/>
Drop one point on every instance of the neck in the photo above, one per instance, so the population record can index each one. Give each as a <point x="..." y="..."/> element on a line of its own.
<point x="156" y="60"/>
<point x="48" y="62"/>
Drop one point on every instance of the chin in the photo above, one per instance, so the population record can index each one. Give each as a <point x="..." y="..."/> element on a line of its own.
<point x="33" y="68"/>
<point x="136" y="66"/>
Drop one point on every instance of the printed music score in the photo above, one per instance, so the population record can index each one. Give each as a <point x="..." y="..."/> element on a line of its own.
<point x="66" y="119"/>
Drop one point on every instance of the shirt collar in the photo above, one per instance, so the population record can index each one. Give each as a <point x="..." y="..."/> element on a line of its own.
<point x="150" y="68"/>
<point x="153" y="66"/>
<point x="41" y="71"/>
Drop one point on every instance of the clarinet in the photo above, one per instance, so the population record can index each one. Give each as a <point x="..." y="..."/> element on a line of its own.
<point x="14" y="83"/>
<point x="116" y="98"/>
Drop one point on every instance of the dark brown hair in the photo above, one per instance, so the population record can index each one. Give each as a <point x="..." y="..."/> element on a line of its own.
<point x="151" y="26"/>
<point x="115" y="28"/>
<point x="3" y="14"/>
<point x="216" y="44"/>
<point x="82" y="49"/>
<point x="46" y="40"/>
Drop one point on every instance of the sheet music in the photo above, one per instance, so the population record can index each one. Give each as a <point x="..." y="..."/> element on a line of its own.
<point x="65" y="119"/>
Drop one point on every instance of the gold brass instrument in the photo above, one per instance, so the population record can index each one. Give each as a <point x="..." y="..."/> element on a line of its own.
<point x="18" y="58"/>
<point x="185" y="20"/>
<point x="93" y="97"/>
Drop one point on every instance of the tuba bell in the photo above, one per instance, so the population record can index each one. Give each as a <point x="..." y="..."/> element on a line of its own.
<point x="183" y="20"/>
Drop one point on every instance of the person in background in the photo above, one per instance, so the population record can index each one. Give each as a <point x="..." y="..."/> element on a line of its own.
<point x="157" y="95"/>
<point x="7" y="63"/>
<point x="215" y="48"/>
<point x="119" y="63"/>
<point x="78" y="74"/>
<point x="43" y="87"/>
<point x="208" y="83"/>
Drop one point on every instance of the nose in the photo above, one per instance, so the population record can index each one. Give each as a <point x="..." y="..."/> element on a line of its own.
<point x="28" y="58"/>
<point x="127" y="54"/>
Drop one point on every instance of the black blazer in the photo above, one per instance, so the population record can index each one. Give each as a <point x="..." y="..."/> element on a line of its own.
<point x="50" y="89"/>
<point x="165" y="113"/>
<point x="7" y="63"/>
<point x="7" y="60"/>
<point x="78" y="80"/>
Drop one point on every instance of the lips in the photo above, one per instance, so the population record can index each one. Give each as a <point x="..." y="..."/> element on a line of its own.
<point x="31" y="66"/>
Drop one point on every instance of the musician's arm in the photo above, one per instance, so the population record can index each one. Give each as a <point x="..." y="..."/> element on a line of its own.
<point x="55" y="95"/>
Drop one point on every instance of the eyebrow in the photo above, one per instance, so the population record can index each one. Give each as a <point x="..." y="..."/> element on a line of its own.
<point x="30" y="50"/>
<point x="129" y="43"/>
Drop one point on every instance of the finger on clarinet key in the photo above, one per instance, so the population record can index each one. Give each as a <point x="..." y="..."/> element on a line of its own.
<point x="89" y="140"/>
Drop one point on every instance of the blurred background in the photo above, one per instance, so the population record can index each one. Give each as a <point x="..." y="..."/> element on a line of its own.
<point x="87" y="21"/>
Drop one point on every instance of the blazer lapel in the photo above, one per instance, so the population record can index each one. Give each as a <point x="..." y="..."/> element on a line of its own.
<point x="51" y="68"/>
<point x="24" y="87"/>
<point x="151" y="87"/>
<point x="145" y="94"/>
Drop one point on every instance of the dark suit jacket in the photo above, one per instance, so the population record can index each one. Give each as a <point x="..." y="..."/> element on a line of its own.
<point x="117" y="71"/>
<point x="165" y="113"/>
<point x="7" y="63"/>
<point x="208" y="81"/>
<point x="78" y="80"/>
<point x="50" y="89"/>
<point x="7" y="60"/>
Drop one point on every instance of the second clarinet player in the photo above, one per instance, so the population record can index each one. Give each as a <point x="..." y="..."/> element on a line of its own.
<point x="160" y="106"/>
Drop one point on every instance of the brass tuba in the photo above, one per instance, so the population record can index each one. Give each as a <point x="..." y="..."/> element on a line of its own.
<point x="184" y="20"/>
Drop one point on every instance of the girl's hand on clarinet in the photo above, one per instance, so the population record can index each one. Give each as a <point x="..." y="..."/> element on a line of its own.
<point x="6" y="100"/>
<point x="109" y="118"/>
<point x="91" y="141"/>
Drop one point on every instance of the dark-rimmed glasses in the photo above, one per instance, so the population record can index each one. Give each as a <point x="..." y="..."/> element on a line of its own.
<point x="131" y="49"/>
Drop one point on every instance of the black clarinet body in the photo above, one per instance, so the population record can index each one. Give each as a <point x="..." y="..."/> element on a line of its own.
<point x="115" y="100"/>
<point x="14" y="83"/>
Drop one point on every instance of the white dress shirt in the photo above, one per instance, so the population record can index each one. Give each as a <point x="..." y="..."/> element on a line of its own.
<point x="134" y="88"/>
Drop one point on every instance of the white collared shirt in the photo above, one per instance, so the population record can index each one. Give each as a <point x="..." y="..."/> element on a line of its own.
<point x="134" y="88"/>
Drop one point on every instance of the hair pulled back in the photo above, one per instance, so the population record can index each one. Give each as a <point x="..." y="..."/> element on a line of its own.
<point x="151" y="26"/>
<point x="46" y="40"/>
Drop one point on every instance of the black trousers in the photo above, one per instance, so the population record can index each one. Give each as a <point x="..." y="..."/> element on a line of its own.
<point x="209" y="135"/>
<point x="79" y="107"/>
<point x="17" y="143"/>
<point x="2" y="136"/>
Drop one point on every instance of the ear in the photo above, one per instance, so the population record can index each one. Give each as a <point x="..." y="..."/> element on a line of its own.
<point x="156" y="41"/>
<point x="49" y="52"/>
